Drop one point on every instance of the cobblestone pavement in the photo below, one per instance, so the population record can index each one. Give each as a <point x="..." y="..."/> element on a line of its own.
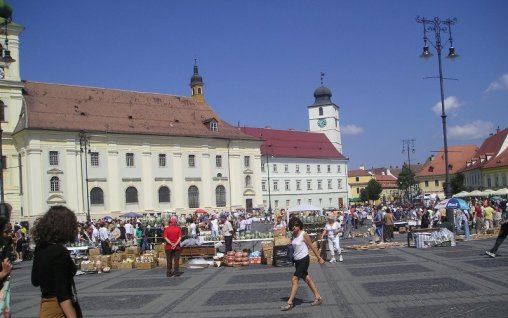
<point x="400" y="282"/>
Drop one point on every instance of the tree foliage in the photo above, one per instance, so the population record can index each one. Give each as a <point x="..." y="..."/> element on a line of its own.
<point x="373" y="189"/>
<point x="457" y="183"/>
<point x="406" y="178"/>
<point x="364" y="195"/>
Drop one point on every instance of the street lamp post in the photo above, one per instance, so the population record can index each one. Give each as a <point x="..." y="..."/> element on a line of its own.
<point x="269" y="193"/>
<point x="84" y="145"/>
<point x="409" y="146"/>
<point x="437" y="26"/>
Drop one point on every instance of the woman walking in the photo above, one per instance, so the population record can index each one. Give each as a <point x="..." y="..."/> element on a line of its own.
<point x="53" y="269"/>
<point x="301" y="244"/>
<point x="331" y="232"/>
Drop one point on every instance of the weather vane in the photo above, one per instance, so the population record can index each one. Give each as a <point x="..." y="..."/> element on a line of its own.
<point x="322" y="76"/>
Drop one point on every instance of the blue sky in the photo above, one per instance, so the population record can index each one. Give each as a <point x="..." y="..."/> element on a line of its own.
<point x="261" y="62"/>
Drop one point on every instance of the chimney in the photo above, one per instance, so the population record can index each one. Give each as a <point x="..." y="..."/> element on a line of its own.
<point x="362" y="167"/>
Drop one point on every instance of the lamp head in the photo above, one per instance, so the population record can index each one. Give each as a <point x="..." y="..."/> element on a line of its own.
<point x="426" y="52"/>
<point x="7" y="57"/>
<point x="451" y="53"/>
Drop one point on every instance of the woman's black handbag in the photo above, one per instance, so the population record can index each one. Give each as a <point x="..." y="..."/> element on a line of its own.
<point x="75" y="303"/>
<point x="291" y="252"/>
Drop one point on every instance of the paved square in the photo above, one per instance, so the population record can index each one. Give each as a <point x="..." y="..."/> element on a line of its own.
<point x="387" y="270"/>
<point x="254" y="296"/>
<point x="416" y="286"/>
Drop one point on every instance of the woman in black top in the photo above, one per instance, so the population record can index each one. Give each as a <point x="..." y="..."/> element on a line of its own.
<point x="53" y="269"/>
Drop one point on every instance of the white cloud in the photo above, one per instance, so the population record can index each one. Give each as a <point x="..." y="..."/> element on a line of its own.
<point x="501" y="84"/>
<point x="451" y="105"/>
<point x="352" y="130"/>
<point x="478" y="129"/>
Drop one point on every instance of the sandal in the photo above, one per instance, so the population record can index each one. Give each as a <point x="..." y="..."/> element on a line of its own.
<point x="317" y="302"/>
<point x="287" y="307"/>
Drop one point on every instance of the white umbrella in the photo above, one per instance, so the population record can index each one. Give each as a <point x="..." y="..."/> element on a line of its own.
<point x="503" y="191"/>
<point x="461" y="194"/>
<point x="487" y="192"/>
<point x="475" y="193"/>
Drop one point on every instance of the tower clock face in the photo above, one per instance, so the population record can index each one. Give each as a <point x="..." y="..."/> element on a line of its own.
<point x="321" y="122"/>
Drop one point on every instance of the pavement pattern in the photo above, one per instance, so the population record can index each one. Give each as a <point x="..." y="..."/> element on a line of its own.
<point x="455" y="281"/>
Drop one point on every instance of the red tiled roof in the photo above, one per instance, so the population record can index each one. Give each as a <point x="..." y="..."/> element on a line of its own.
<point x="487" y="151"/>
<point x="500" y="161"/>
<point x="457" y="157"/>
<point x="386" y="181"/>
<point x="76" y="108"/>
<point x="358" y="173"/>
<point x="294" y="144"/>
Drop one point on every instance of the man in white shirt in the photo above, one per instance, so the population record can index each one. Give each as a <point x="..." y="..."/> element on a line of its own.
<point x="214" y="226"/>
<point x="128" y="231"/>
<point x="104" y="238"/>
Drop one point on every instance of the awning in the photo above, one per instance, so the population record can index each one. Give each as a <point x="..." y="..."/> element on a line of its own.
<point x="355" y="200"/>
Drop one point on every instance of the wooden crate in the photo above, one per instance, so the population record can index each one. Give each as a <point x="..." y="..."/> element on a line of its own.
<point x="147" y="265"/>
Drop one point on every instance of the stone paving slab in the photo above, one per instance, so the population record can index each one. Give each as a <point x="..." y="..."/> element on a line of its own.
<point x="397" y="282"/>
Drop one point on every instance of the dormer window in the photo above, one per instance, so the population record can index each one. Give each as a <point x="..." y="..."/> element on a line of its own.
<point x="213" y="126"/>
<point x="431" y="169"/>
<point x="450" y="167"/>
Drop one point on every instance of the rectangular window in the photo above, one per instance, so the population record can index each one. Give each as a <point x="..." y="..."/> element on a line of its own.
<point x="299" y="201"/>
<point x="319" y="168"/>
<point x="287" y="203"/>
<point x="274" y="167"/>
<point x="357" y="190"/>
<point x="320" y="185"/>
<point x="357" y="179"/>
<point x="297" y="169"/>
<point x="192" y="161"/>
<point x="213" y="126"/>
<point x="309" y="185"/>
<point x="262" y="167"/>
<point x="286" y="185"/>
<point x="436" y="183"/>
<point x="328" y="168"/>
<point x="53" y="158"/>
<point x="338" y="168"/>
<point x="275" y="185"/>
<point x="129" y="158"/>
<point x="308" y="168"/>
<point x="218" y="162"/>
<point x="246" y="161"/>
<point x="4" y="162"/>
<point x="94" y="159"/>
<point x="339" y="183"/>
<point x="309" y="201"/>
<point x="426" y="183"/>
<point x="286" y="168"/>
<point x="276" y="203"/>
<point x="329" y="184"/>
<point x="263" y="185"/>
<point x="298" y="185"/>
<point x="162" y="160"/>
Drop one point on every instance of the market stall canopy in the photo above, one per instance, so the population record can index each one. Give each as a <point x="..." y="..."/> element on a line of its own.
<point x="305" y="207"/>
<point x="355" y="200"/>
<point x="475" y="193"/>
<point x="452" y="203"/>
<point x="131" y="215"/>
<point x="503" y="191"/>
<point x="461" y="194"/>
<point x="487" y="192"/>
<point x="200" y="211"/>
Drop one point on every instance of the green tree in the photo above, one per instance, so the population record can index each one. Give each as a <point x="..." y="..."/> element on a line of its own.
<point x="364" y="195"/>
<point x="373" y="189"/>
<point x="406" y="180"/>
<point x="457" y="183"/>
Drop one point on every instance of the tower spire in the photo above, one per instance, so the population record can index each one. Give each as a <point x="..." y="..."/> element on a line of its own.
<point x="196" y="84"/>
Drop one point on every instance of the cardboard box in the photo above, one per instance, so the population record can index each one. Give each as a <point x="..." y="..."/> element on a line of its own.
<point x="132" y="250"/>
<point x="105" y="260"/>
<point x="279" y="232"/>
<point x="162" y="262"/>
<point x="94" y="252"/>
<point x="118" y="257"/>
<point x="160" y="247"/>
<point x="281" y="241"/>
<point x="114" y="265"/>
<point x="147" y="265"/>
<point x="125" y="265"/>
<point x="162" y="255"/>
<point x="86" y="267"/>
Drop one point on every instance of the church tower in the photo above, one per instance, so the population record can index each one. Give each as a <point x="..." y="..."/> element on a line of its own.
<point x="324" y="116"/>
<point x="196" y="84"/>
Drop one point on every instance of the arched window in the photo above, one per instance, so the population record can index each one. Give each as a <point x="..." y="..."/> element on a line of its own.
<point x="199" y="90"/>
<point x="320" y="111"/>
<point x="164" y="194"/>
<point x="131" y="195"/>
<point x="54" y="184"/>
<point x="220" y="196"/>
<point x="96" y="196"/>
<point x="248" y="182"/>
<point x="193" y="194"/>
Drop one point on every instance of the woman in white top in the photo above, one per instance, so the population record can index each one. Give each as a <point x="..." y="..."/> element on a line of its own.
<point x="301" y="244"/>
<point x="280" y="223"/>
<point x="331" y="232"/>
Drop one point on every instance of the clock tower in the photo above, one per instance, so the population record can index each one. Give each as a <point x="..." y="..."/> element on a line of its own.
<point x="324" y="116"/>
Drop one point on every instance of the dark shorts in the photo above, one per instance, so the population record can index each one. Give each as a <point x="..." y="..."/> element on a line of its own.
<point x="301" y="267"/>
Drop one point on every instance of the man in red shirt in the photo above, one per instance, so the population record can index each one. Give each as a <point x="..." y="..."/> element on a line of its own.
<point x="172" y="235"/>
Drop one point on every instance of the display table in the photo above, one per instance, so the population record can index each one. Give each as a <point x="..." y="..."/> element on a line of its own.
<point x="412" y="233"/>
<point x="192" y="251"/>
<point x="77" y="248"/>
